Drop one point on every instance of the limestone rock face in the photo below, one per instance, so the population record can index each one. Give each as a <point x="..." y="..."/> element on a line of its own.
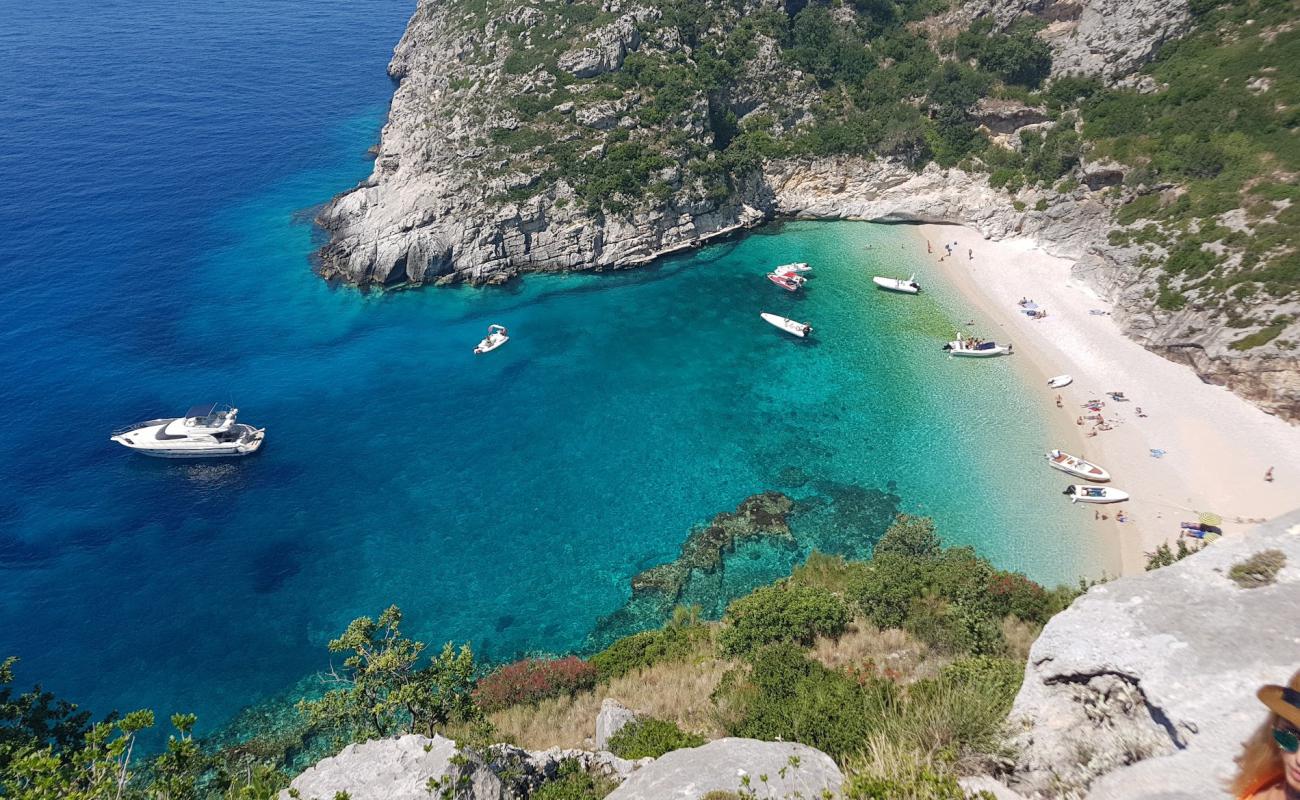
<point x="609" y="46"/>
<point x="404" y="768"/>
<point x="396" y="769"/>
<point x="1145" y="687"/>
<point x="613" y="717"/>
<point x="792" y="770"/>
<point x="1110" y="39"/>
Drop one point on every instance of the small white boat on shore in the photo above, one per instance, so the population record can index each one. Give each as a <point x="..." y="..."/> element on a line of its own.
<point x="909" y="286"/>
<point x="800" y="329"/>
<point x="970" y="347"/>
<point x="1073" y="465"/>
<point x="1060" y="381"/>
<point x="497" y="336"/>
<point x="206" y="431"/>
<point x="1082" y="493"/>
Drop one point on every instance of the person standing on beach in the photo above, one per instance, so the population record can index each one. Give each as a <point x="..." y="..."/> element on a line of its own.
<point x="927" y="246"/>
<point x="970" y="254"/>
<point x="1268" y="476"/>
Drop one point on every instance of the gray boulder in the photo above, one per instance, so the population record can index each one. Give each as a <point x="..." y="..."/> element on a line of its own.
<point x="613" y="717"/>
<point x="398" y="769"/>
<point x="772" y="769"/>
<point x="1145" y="687"/>
<point x="607" y="47"/>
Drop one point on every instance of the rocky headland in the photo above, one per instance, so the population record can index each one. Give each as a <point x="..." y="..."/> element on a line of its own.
<point x="527" y="138"/>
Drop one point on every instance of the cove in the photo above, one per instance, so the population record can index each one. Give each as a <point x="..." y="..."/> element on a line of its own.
<point x="162" y="259"/>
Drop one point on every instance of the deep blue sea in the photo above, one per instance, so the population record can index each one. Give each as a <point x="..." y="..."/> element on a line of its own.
<point x="160" y="162"/>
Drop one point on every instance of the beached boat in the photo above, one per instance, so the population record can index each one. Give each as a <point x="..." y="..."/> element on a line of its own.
<point x="800" y="329"/>
<point x="970" y="347"/>
<point x="206" y="431"/>
<point x="1073" y="465"/>
<point x="909" y="286"/>
<point x="497" y="336"/>
<point x="1082" y="493"/>
<point x="798" y="266"/>
<point x="1060" y="381"/>
<point x="788" y="283"/>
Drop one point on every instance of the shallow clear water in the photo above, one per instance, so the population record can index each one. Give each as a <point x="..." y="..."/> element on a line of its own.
<point x="158" y="161"/>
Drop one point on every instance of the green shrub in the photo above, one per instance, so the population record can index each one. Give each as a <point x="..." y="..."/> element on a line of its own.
<point x="787" y="696"/>
<point x="832" y="573"/>
<point x="572" y="782"/>
<point x="781" y="613"/>
<point x="1259" y="570"/>
<point x="1016" y="56"/>
<point x="953" y="627"/>
<point x="998" y="677"/>
<point x="924" y="785"/>
<point x="670" y="643"/>
<point x="910" y="536"/>
<point x="1163" y="555"/>
<point x="651" y="737"/>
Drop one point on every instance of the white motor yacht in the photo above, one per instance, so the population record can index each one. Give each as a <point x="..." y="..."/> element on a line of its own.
<point x="206" y="431"/>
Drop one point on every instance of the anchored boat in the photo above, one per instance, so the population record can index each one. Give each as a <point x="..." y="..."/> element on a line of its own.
<point x="800" y="329"/>
<point x="1073" y="465"/>
<point x="970" y="347"/>
<point x="497" y="336"/>
<point x="206" y="431"/>
<point x="909" y="286"/>
<point x="790" y="283"/>
<point x="1082" y="493"/>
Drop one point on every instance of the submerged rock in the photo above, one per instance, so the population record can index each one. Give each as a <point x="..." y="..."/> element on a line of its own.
<point x="762" y="515"/>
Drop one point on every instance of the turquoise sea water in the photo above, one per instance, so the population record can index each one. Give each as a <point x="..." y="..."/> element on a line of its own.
<point x="163" y="162"/>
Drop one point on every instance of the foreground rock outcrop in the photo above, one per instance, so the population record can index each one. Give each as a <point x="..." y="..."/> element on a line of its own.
<point x="771" y="769"/>
<point x="1145" y="687"/>
<point x="414" y="767"/>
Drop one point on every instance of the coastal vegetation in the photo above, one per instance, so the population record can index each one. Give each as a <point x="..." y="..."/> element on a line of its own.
<point x="1199" y="146"/>
<point x="901" y="667"/>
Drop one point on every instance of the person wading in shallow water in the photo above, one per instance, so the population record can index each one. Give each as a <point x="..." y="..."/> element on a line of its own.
<point x="1269" y="765"/>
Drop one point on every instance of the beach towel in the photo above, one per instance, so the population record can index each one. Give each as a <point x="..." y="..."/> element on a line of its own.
<point x="1158" y="453"/>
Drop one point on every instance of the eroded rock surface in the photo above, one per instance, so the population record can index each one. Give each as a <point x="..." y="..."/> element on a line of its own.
<point x="613" y="717"/>
<point x="1145" y="687"/>
<point x="771" y="769"/>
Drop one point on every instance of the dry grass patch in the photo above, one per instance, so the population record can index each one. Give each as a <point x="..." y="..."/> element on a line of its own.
<point x="677" y="692"/>
<point x="1020" y="636"/>
<point x="895" y="653"/>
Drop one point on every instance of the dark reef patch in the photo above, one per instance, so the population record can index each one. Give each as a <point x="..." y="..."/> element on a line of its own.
<point x="761" y="541"/>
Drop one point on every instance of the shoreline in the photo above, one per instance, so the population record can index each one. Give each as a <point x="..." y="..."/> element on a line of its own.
<point x="1217" y="445"/>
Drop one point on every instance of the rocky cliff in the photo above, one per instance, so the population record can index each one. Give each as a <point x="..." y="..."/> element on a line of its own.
<point x="1145" y="687"/>
<point x="523" y="137"/>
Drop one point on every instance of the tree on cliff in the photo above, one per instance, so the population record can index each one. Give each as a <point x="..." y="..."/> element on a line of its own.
<point x="381" y="689"/>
